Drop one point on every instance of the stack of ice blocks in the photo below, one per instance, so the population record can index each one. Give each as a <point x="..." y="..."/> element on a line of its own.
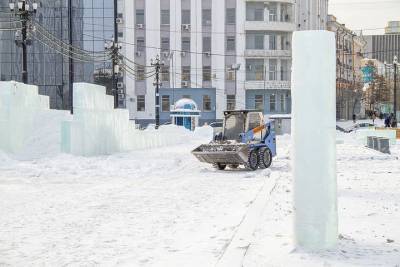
<point x="26" y="120"/>
<point x="97" y="128"/>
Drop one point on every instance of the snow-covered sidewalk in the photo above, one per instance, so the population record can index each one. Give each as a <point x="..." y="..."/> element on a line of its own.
<point x="163" y="208"/>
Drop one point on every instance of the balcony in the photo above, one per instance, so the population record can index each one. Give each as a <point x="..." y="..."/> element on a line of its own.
<point x="270" y="26"/>
<point x="267" y="53"/>
<point x="268" y="85"/>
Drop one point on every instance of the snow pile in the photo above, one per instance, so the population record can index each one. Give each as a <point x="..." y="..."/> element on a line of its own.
<point x="27" y="125"/>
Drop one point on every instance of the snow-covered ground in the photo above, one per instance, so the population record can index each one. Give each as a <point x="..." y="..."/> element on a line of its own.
<point x="161" y="207"/>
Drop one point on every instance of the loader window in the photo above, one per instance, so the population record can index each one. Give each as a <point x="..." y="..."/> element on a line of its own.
<point x="255" y="120"/>
<point x="234" y="126"/>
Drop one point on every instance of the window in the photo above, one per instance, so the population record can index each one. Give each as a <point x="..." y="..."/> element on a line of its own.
<point x="140" y="45"/>
<point x="285" y="72"/>
<point x="255" y="40"/>
<point x="206" y="73"/>
<point x="185" y="73"/>
<point x="259" y="102"/>
<point x="139" y="16"/>
<point x="285" y="13"/>
<point x="230" y="102"/>
<point x="165" y="104"/>
<point x="165" y="17"/>
<point x="140" y="73"/>
<point x="230" y="43"/>
<point x="185" y="16"/>
<point x="141" y="103"/>
<point x="272" y="103"/>
<point x="272" y="69"/>
<point x="206" y="44"/>
<point x="165" y="44"/>
<point x="254" y="69"/>
<point x="186" y="44"/>
<point x="255" y="11"/>
<point x="272" y="12"/>
<point x="165" y="73"/>
<point x="230" y="74"/>
<point x="230" y="16"/>
<point x="206" y="17"/>
<point x="272" y="42"/>
<point x="285" y="42"/>
<point x="282" y="103"/>
<point x="206" y="103"/>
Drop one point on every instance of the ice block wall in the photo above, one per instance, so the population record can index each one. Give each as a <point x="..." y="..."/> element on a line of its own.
<point x="28" y="128"/>
<point x="313" y="139"/>
<point x="99" y="129"/>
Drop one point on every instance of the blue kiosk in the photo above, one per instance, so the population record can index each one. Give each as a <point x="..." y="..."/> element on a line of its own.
<point x="185" y="113"/>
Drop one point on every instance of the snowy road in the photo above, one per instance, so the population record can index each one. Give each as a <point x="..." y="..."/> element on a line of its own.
<point x="147" y="208"/>
<point x="163" y="208"/>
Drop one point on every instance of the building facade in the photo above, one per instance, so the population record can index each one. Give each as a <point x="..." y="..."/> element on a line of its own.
<point x="383" y="47"/>
<point x="312" y="14"/>
<point x="227" y="54"/>
<point x="349" y="55"/>
<point x="92" y="23"/>
<point x="393" y="27"/>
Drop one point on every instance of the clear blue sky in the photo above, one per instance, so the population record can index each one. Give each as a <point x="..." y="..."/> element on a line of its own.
<point x="365" y="14"/>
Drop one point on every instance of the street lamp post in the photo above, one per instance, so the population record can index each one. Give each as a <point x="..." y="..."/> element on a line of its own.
<point x="24" y="12"/>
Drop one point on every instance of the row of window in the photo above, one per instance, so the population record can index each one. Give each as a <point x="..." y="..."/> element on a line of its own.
<point x="257" y="11"/>
<point x="166" y="102"/>
<point x="257" y="70"/>
<point x="274" y="101"/>
<point x="254" y="40"/>
<point x="259" y="102"/>
<point x="165" y="17"/>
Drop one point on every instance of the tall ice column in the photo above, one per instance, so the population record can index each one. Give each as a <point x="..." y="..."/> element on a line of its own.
<point x="314" y="139"/>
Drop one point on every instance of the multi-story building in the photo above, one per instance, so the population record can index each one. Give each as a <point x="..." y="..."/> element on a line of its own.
<point x="225" y="54"/>
<point x="92" y="22"/>
<point x="312" y="14"/>
<point x="393" y="27"/>
<point x="383" y="47"/>
<point x="349" y="53"/>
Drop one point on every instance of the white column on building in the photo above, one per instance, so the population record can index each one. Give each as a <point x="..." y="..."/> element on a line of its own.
<point x="152" y="15"/>
<point x="129" y="52"/>
<point x="217" y="50"/>
<point x="240" y="48"/>
<point x="196" y="44"/>
<point x="175" y="42"/>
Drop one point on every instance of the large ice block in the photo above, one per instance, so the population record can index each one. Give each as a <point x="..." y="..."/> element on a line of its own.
<point x="28" y="128"/>
<point x="313" y="139"/>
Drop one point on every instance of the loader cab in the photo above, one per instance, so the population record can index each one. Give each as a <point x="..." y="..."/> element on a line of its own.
<point x="241" y="121"/>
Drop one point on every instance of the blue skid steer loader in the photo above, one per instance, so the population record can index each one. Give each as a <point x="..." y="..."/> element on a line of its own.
<point x="245" y="140"/>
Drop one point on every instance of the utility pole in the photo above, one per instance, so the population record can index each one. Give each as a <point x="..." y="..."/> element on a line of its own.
<point x="115" y="58"/>
<point x="157" y="65"/>
<point x="114" y="47"/>
<point x="395" y="63"/>
<point x="25" y="13"/>
<point x="70" y="60"/>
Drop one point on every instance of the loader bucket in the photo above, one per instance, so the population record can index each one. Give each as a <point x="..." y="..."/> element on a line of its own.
<point x="222" y="153"/>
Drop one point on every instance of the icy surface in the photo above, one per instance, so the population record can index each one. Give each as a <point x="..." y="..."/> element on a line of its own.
<point x="28" y="128"/>
<point x="162" y="207"/>
<point x="313" y="139"/>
